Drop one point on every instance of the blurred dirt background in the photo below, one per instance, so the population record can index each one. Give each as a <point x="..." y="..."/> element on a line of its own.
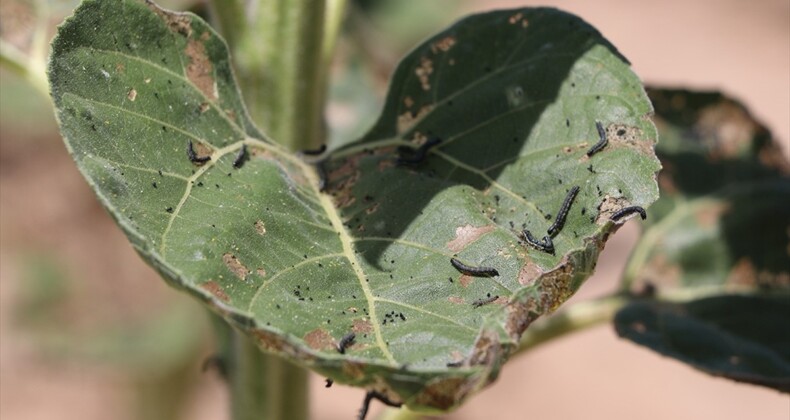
<point x="88" y="331"/>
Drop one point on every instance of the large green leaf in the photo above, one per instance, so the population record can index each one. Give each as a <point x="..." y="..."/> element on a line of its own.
<point x="514" y="96"/>
<point x="716" y="243"/>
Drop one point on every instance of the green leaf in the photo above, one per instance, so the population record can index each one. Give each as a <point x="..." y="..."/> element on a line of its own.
<point x="743" y="338"/>
<point x="721" y="222"/>
<point x="719" y="229"/>
<point x="514" y="96"/>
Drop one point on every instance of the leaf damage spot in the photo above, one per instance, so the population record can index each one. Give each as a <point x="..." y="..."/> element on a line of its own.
<point x="200" y="70"/>
<point x="609" y="206"/>
<point x="529" y="273"/>
<point x="132" y="94"/>
<point x="515" y="95"/>
<point x="518" y="18"/>
<point x="260" y="227"/>
<point x="215" y="289"/>
<point x="424" y="72"/>
<point x="319" y="339"/>
<point x="443" y="44"/>
<point x="467" y="234"/>
<point x="177" y="22"/>
<point x="261" y="271"/>
<point x="235" y="266"/>
<point x="465" y="280"/>
<point x="362" y="326"/>
<point x="456" y="299"/>
<point x="407" y="119"/>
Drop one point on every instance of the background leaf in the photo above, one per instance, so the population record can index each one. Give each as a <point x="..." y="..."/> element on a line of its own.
<point x="720" y="229"/>
<point x="299" y="269"/>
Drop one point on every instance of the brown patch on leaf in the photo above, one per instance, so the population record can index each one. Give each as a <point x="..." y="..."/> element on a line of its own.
<point x="443" y="44"/>
<point x="518" y="18"/>
<point x="487" y="349"/>
<point x="529" y="273"/>
<point x="407" y="119"/>
<point x="465" y="280"/>
<point x="203" y="107"/>
<point x="456" y="299"/>
<point x="408" y="102"/>
<point x="730" y="127"/>
<point x="658" y="267"/>
<point x="260" y="227"/>
<point x="743" y="274"/>
<point x="362" y="326"/>
<point x="519" y="316"/>
<point x="710" y="215"/>
<point x="555" y="286"/>
<point x="177" y="22"/>
<point x="319" y="339"/>
<point x="638" y="327"/>
<point x="621" y="135"/>
<point x="132" y="94"/>
<point x="215" y="289"/>
<point x="200" y="70"/>
<point x="424" y="71"/>
<point x="235" y="266"/>
<point x="666" y="180"/>
<point x="444" y="393"/>
<point x="372" y="209"/>
<point x="465" y="235"/>
<point x="261" y="271"/>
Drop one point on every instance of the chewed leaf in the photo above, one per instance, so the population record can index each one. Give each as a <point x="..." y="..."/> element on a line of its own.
<point x="416" y="252"/>
<point x="717" y="241"/>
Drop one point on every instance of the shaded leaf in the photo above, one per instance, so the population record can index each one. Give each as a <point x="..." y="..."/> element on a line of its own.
<point x="297" y="268"/>
<point x="723" y="217"/>
<point x="719" y="229"/>
<point x="743" y="338"/>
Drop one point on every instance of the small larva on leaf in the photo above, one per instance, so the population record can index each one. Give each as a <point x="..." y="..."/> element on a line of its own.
<point x="625" y="211"/>
<point x="193" y="157"/>
<point x="473" y="271"/>
<point x="419" y="155"/>
<point x="345" y="342"/>
<point x="480" y="302"/>
<point x="545" y="245"/>
<point x="601" y="140"/>
<point x="559" y="222"/>
<point x="240" y="157"/>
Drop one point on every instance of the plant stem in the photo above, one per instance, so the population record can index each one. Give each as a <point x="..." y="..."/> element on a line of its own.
<point x="26" y="67"/>
<point x="281" y="51"/>
<point x="264" y="386"/>
<point x="278" y="49"/>
<point x="575" y="317"/>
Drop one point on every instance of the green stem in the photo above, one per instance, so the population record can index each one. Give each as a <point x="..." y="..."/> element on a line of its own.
<point x="278" y="49"/>
<point x="576" y="317"/>
<point x="263" y="386"/>
<point x="281" y="51"/>
<point x="27" y="68"/>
